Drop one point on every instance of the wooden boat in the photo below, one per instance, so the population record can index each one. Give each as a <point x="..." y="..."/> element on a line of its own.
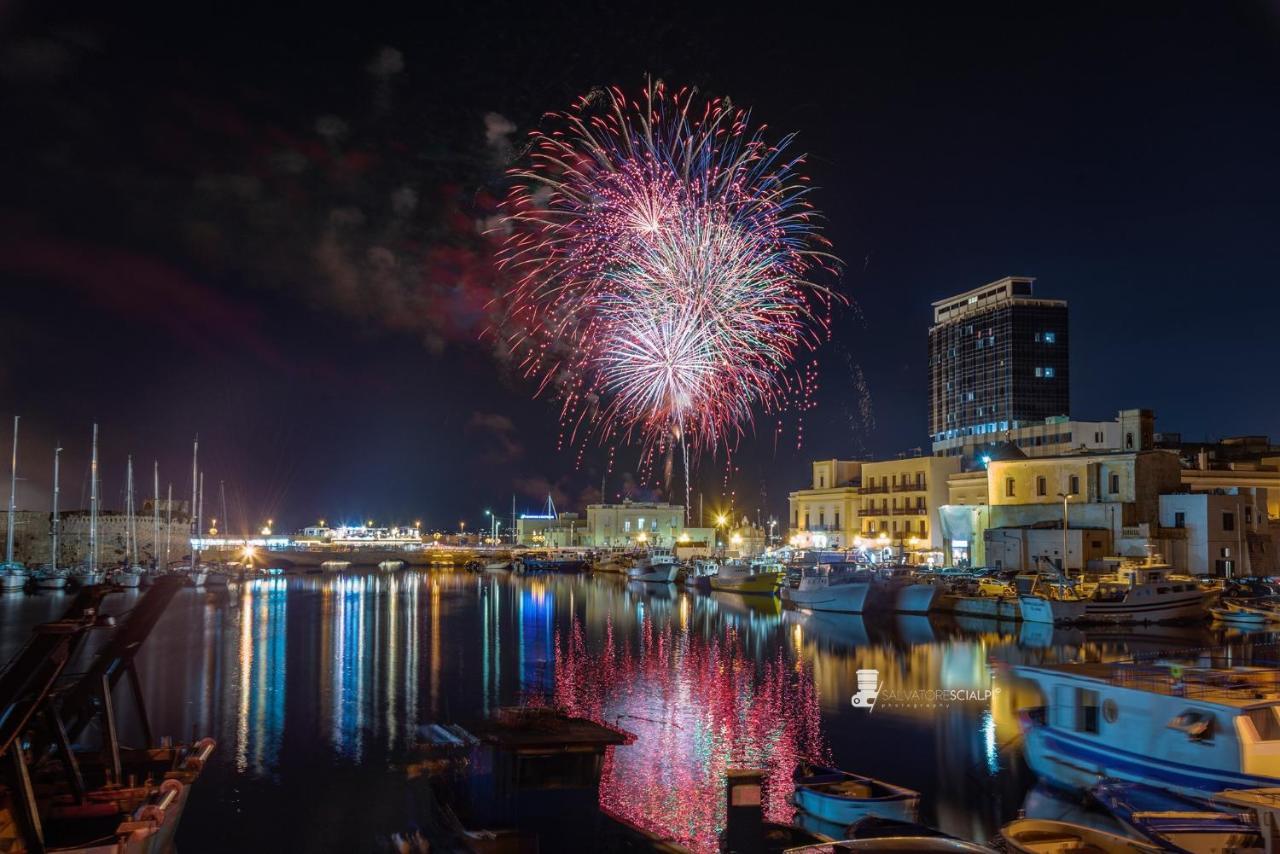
<point x="1043" y="836"/>
<point x="498" y="566"/>
<point x="738" y="577"/>
<point x="842" y="798"/>
<point x="1177" y="822"/>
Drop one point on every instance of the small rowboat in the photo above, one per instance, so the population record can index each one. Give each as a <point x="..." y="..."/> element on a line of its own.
<point x="1043" y="836"/>
<point x="1176" y="822"/>
<point x="842" y="798"/>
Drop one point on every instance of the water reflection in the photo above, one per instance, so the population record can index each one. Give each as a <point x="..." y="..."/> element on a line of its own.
<point x="310" y="680"/>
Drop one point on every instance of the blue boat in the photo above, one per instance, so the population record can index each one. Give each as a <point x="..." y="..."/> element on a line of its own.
<point x="1177" y="822"/>
<point x="1186" y="728"/>
<point x="841" y="798"/>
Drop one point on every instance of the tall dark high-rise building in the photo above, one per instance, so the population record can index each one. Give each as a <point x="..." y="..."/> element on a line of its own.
<point x="997" y="362"/>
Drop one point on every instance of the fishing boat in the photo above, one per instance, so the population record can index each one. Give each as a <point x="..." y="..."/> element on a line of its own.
<point x="568" y="562"/>
<point x="335" y="565"/>
<point x="698" y="574"/>
<point x="1176" y="822"/>
<point x="1054" y="601"/>
<point x="736" y="576"/>
<point x="498" y="566"/>
<point x="390" y="565"/>
<point x="1188" y="729"/>
<point x="842" y="798"/>
<point x="1148" y="592"/>
<point x="613" y="562"/>
<point x="1246" y="612"/>
<point x="1045" y="836"/>
<point x="658" y="566"/>
<point x="822" y="589"/>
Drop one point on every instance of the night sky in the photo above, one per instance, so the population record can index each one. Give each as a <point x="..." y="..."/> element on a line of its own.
<point x="264" y="226"/>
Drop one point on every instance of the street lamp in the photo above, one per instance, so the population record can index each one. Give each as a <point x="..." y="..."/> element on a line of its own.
<point x="1065" y="496"/>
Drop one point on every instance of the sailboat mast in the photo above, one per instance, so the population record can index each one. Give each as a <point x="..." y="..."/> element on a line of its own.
<point x="200" y="508"/>
<point x="168" y="524"/>
<point x="128" y="511"/>
<point x="93" y="503"/>
<point x="53" y="529"/>
<point x="195" y="486"/>
<point x="155" y="513"/>
<point x="13" y="493"/>
<point x="222" y="493"/>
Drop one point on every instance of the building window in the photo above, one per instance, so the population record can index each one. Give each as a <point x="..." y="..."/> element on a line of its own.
<point x="1074" y="489"/>
<point x="1248" y="514"/>
<point x="1050" y="338"/>
<point x="1228" y="521"/>
<point x="806" y="521"/>
<point x="822" y="518"/>
<point x="626" y="525"/>
<point x="837" y="522"/>
<point x="1115" y="484"/>
<point x="1008" y="487"/>
<point x="1179" y="520"/>
<point x="822" y="481"/>
<point x="1049" y="373"/>
<point x="1042" y="486"/>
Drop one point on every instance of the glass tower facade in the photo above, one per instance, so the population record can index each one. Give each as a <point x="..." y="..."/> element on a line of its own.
<point x="998" y="360"/>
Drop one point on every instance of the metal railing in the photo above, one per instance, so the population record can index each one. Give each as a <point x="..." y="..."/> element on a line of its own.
<point x="912" y="486"/>
<point x="873" y="490"/>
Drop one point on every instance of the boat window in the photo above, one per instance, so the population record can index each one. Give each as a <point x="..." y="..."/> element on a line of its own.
<point x="1162" y="590"/>
<point x="1086" y="710"/>
<point x="1265" y="722"/>
<point x="1197" y="724"/>
<point x="1110" y="711"/>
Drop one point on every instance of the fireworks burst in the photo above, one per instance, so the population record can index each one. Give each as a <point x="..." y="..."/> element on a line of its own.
<point x="663" y="256"/>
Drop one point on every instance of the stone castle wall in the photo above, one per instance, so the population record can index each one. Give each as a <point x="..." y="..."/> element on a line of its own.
<point x="31" y="541"/>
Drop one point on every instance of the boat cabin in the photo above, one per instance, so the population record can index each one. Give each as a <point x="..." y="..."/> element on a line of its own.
<point x="1185" y="727"/>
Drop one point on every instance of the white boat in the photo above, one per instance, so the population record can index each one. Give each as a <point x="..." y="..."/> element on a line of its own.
<point x="128" y="578"/>
<point x="218" y="578"/>
<point x="49" y="578"/>
<point x="737" y="576"/>
<point x="335" y="565"/>
<point x="13" y="577"/>
<point x="87" y="576"/>
<point x="198" y="576"/>
<point x="699" y="573"/>
<point x="1050" y="599"/>
<point x="1176" y="822"/>
<point x="1246" y="612"/>
<point x="658" y="565"/>
<point x="1043" y="836"/>
<point x="1148" y="592"/>
<point x="390" y="565"/>
<point x="841" y="798"/>
<point x="498" y="566"/>
<point x="821" y="589"/>
<point x="917" y="598"/>
<point x="1193" y="730"/>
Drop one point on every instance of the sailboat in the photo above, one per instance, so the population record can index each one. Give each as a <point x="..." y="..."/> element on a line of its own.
<point x="131" y="574"/>
<point x="13" y="575"/>
<point x="49" y="576"/>
<point x="88" y="574"/>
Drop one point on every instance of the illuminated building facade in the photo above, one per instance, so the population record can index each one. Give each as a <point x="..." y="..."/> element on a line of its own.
<point x="998" y="361"/>
<point x="900" y="501"/>
<point x="826" y="514"/>
<point x="634" y="523"/>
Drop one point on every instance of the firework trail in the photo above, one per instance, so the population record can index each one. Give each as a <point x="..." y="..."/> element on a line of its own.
<point x="662" y="257"/>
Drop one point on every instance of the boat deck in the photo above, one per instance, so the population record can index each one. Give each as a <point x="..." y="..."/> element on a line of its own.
<point x="1235" y="686"/>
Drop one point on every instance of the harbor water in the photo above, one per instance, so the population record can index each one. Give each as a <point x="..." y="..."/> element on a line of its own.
<point x="315" y="688"/>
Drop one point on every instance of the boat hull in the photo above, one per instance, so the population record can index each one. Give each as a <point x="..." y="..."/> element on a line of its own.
<point x="664" y="574"/>
<point x="1071" y="761"/>
<point x="760" y="584"/>
<point x="917" y="598"/>
<point x="991" y="607"/>
<point x="12" y="582"/>
<point x="845" y="811"/>
<point x="1039" y="609"/>
<point x="128" y="579"/>
<point x="1185" y="607"/>
<point x="839" y="598"/>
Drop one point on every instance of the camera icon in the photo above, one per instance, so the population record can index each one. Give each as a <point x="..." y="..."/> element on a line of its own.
<point x="868" y="689"/>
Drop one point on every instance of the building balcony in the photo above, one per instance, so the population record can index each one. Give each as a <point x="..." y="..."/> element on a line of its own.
<point x="874" y="511"/>
<point x="873" y="490"/>
<point x="913" y="511"/>
<point x="822" y="529"/>
<point x="915" y="486"/>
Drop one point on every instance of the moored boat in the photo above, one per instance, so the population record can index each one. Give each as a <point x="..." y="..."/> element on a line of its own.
<point x="49" y="578"/>
<point x="1177" y="822"/>
<point x="129" y="578"/>
<point x="841" y="798"/>
<point x="1187" y="729"/>
<point x="335" y="565"/>
<point x="498" y="566"/>
<point x="13" y="576"/>
<point x="658" y="566"/>
<point x="390" y="565"/>
<point x="822" y="589"/>
<point x="1148" y="592"/>
<point x="739" y="577"/>
<point x="698" y="574"/>
<point x="917" y="598"/>
<point x="1044" y="836"/>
